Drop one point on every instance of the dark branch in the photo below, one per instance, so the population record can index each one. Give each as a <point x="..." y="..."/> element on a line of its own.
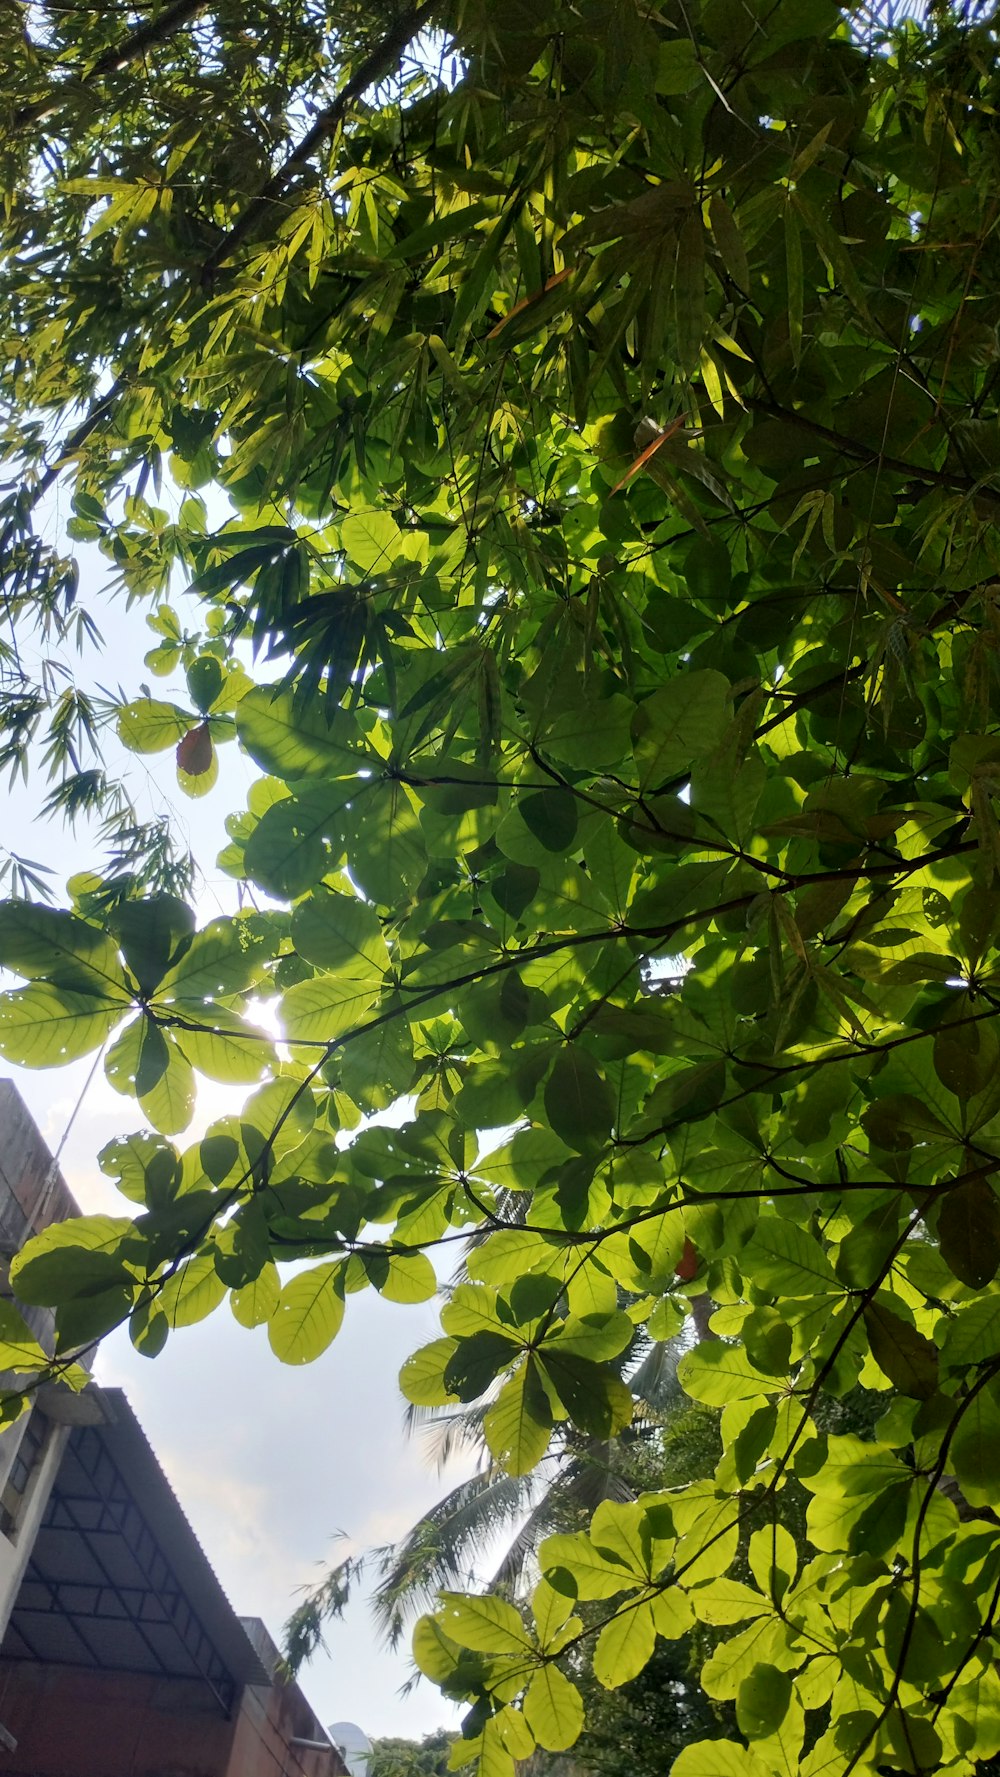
<point x="377" y="65"/>
<point x="148" y="36"/>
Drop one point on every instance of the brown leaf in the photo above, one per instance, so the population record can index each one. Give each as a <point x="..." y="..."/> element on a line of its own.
<point x="670" y="431"/>
<point x="688" y="1262"/>
<point x="527" y="302"/>
<point x="194" y="751"/>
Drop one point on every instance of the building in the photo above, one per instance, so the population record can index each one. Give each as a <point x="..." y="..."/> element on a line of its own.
<point x="120" y="1654"/>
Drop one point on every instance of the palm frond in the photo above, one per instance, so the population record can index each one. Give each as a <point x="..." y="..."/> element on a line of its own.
<point x="439" y="1552"/>
<point x="450" y="1431"/>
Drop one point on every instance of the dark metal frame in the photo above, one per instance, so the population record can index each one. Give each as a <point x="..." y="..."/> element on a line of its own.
<point x="111" y="1509"/>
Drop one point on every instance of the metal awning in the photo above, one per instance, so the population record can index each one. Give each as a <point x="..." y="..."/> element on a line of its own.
<point x="117" y="1579"/>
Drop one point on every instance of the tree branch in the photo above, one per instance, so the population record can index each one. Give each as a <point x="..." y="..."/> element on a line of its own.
<point x="148" y="36"/>
<point x="376" y="66"/>
<point x="865" y="453"/>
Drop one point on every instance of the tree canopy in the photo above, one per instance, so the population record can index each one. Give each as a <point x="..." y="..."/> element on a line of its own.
<point x="586" y="416"/>
<point x="395" y="1757"/>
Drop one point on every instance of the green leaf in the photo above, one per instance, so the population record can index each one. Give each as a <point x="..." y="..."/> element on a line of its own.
<point x="410" y="1278"/>
<point x="219" y="1043"/>
<point x="727" y="1601"/>
<point x="595" y="1336"/>
<point x="43" y="1026"/>
<point x="689" y="291"/>
<point x="322" y="1010"/>
<point x="152" y="933"/>
<point x="904" y="1355"/>
<point x="226" y="956"/>
<point x="340" y="933"/>
<point x="974" y="1334"/>
<point x="582" y="1570"/>
<point x="773" y="1560"/>
<point x="145" y="1168"/>
<point x="147" y="1062"/>
<point x="782" y="1258"/>
<point x="19" y="1349"/>
<point x="422" y="1377"/>
<point x="286" y="853"/>
<point x="974" y="1451"/>
<point x="679" y="723"/>
<point x="726" y="232"/>
<point x="308" y="1314"/>
<point x="371" y="540"/>
<point x="293" y="739"/>
<point x="625" y="1645"/>
<point x="78" y="1257"/>
<point x="204" y="682"/>
<point x="717" y="1373"/>
<point x="43" y="943"/>
<point x="147" y="726"/>
<point x="763" y="1700"/>
<point x="192" y="1293"/>
<point x="254" y="1305"/>
<point x="476" y="1361"/>
<point x="519" y="1424"/>
<point x="716" y="1758"/>
<point x="595" y="1399"/>
<point x="391" y="857"/>
<point x="588" y="732"/>
<point x="969" y="1232"/>
<point x="578" y="1100"/>
<point x="486" y="1624"/>
<point x="553" y="1709"/>
<point x="440" y="1658"/>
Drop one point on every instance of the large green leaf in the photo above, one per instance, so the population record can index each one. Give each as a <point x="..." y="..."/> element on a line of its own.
<point x="905" y="1355"/>
<point x="371" y="540"/>
<point x="308" y="1314"/>
<point x="225" y="957"/>
<point x="151" y="933"/>
<point x="578" y="1100"/>
<point x="286" y="852"/>
<point x="718" y="1373"/>
<point x="717" y="1758"/>
<point x="553" y="1708"/>
<point x="786" y="1260"/>
<point x="43" y="943"/>
<point x="74" y="1258"/>
<point x="295" y="740"/>
<point x="679" y="723"/>
<point x="969" y="1232"/>
<point x="625" y="1645"/>
<point x="763" y="1701"/>
<point x="319" y="1011"/>
<point x="340" y="933"/>
<point x="147" y="1061"/>
<point x="218" y="1042"/>
<point x="974" y="1333"/>
<point x="488" y="1625"/>
<point x="422" y="1376"/>
<point x="149" y="726"/>
<point x="518" y="1425"/>
<point x="44" y="1026"/>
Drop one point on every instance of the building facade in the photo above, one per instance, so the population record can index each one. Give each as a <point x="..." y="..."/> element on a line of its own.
<point x="120" y="1655"/>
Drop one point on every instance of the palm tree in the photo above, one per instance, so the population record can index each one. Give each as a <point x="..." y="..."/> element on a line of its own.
<point x="446" y="1547"/>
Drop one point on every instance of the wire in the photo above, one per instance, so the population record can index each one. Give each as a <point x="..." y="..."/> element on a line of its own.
<point x="85" y="1088"/>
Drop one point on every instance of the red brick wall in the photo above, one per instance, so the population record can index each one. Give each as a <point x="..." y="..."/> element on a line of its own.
<point x="71" y="1722"/>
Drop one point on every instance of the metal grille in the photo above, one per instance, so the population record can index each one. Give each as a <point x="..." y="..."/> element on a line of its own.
<point x="99" y="1591"/>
